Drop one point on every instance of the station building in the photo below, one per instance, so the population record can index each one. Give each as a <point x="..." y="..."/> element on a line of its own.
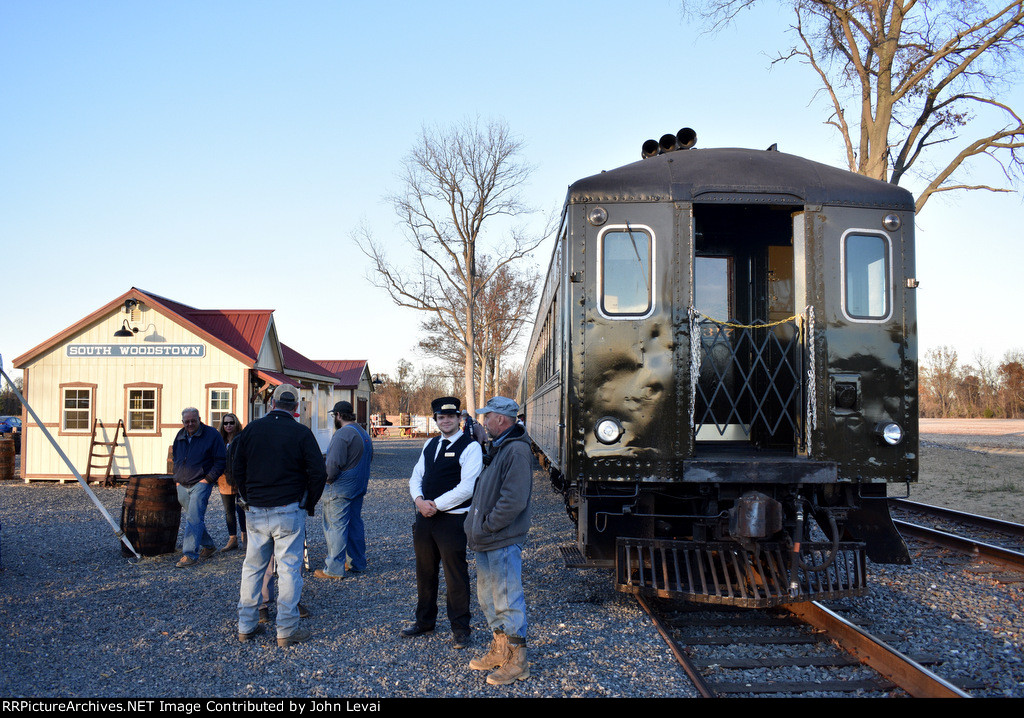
<point x="127" y="370"/>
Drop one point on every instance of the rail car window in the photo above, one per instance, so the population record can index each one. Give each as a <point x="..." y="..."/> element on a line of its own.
<point x="712" y="289"/>
<point x="866" y="276"/>
<point x="626" y="272"/>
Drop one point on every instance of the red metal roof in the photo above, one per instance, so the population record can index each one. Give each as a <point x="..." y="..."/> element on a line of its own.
<point x="241" y="329"/>
<point x="297" y="363"/>
<point x="275" y="378"/>
<point x="348" y="371"/>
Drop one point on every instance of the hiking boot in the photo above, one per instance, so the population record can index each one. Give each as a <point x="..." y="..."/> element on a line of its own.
<point x="206" y="552"/>
<point x="300" y="635"/>
<point x="496" y="655"/>
<point x="264" y="615"/>
<point x="320" y="573"/>
<point x="303" y="611"/>
<point x="246" y="637"/>
<point x="515" y="668"/>
<point x="186" y="562"/>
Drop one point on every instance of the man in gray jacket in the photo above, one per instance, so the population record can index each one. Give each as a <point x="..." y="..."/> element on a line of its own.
<point x="496" y="528"/>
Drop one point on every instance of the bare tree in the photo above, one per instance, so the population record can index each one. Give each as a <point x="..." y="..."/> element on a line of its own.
<point x="905" y="78"/>
<point x="457" y="183"/>
<point x="1011" y="370"/>
<point x="940" y="376"/>
<point x="503" y="310"/>
<point x="10" y="404"/>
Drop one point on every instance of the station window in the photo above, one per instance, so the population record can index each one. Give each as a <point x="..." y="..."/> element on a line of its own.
<point x="76" y="412"/>
<point x="866" y="276"/>
<point x="143" y="409"/>
<point x="626" y="271"/>
<point x="220" y="404"/>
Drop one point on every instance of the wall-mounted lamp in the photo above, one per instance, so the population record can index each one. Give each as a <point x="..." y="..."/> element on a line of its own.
<point x="125" y="330"/>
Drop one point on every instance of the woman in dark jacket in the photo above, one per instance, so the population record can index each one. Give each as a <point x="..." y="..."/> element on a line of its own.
<point x="231" y="427"/>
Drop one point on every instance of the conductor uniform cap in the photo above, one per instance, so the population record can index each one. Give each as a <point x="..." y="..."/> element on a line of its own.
<point x="445" y="405"/>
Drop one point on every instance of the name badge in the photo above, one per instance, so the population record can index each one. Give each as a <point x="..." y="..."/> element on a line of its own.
<point x="449" y="454"/>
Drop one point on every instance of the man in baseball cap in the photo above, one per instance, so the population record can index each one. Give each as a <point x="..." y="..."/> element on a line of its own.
<point x="348" y="474"/>
<point x="280" y="475"/>
<point x="496" y="529"/>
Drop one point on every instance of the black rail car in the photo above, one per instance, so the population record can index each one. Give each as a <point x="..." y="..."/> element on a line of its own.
<point x="722" y="378"/>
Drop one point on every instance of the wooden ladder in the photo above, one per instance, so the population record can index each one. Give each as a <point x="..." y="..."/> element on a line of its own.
<point x="105" y="455"/>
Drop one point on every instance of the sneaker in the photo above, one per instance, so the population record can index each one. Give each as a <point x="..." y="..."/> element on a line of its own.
<point x="246" y="637"/>
<point x="186" y="562"/>
<point x="300" y="635"/>
<point x="320" y="573"/>
<point x="206" y="552"/>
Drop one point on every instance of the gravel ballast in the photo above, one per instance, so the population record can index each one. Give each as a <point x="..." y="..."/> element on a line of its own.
<point x="81" y="620"/>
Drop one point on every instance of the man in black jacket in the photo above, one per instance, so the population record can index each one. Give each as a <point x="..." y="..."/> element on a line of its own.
<point x="280" y="474"/>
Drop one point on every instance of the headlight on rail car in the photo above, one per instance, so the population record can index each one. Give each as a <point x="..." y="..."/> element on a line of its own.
<point x="608" y="430"/>
<point x="890" y="433"/>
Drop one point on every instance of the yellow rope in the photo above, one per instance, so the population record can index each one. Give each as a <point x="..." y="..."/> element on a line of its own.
<point x="747" y="326"/>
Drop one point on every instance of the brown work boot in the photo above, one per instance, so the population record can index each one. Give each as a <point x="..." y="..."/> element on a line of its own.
<point x="515" y="668"/>
<point x="495" y="656"/>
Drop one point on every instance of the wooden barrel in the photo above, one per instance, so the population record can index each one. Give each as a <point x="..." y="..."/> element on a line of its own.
<point x="7" y="452"/>
<point x="150" y="514"/>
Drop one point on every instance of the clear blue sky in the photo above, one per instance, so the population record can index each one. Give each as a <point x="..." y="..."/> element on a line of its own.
<point x="222" y="153"/>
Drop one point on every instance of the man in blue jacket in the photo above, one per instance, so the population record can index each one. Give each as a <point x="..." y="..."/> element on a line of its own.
<point x="348" y="472"/>
<point x="198" y="455"/>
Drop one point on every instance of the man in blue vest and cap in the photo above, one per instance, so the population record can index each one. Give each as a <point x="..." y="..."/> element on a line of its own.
<point x="348" y="473"/>
<point x="441" y="486"/>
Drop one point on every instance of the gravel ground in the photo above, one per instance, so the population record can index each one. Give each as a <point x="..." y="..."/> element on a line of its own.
<point x="83" y="621"/>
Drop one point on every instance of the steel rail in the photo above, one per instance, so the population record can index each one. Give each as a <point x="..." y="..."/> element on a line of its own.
<point x="986" y="522"/>
<point x="912" y="677"/>
<point x="691" y="670"/>
<point x="991" y="553"/>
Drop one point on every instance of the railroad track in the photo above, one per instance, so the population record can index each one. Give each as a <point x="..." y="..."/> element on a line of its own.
<point x="795" y="649"/>
<point x="991" y="540"/>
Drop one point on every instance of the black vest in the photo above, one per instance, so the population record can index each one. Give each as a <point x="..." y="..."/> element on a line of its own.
<point x="443" y="473"/>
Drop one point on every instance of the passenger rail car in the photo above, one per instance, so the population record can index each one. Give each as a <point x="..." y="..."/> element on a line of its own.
<point x="722" y="377"/>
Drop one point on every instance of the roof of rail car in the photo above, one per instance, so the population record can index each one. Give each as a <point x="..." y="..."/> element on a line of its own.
<point x="740" y="176"/>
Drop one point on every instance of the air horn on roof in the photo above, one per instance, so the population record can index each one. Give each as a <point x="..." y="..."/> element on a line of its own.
<point x="682" y="140"/>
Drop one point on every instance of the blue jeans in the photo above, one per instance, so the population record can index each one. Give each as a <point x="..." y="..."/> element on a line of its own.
<point x="193" y="500"/>
<point x="343" y="528"/>
<point x="499" y="588"/>
<point x="277" y="532"/>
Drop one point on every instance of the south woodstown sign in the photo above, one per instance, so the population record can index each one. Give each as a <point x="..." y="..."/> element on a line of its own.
<point x="136" y="350"/>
